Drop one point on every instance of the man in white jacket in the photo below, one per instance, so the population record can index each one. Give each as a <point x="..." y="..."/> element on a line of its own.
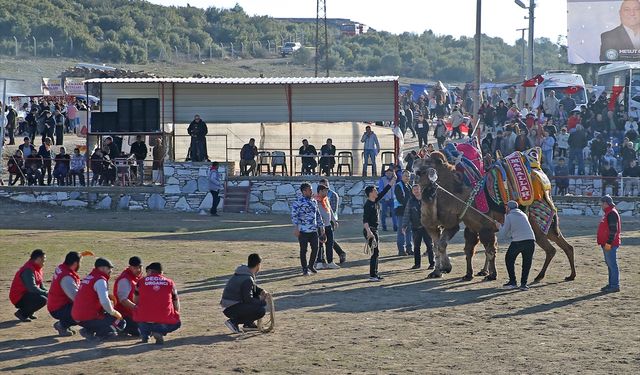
<point x="516" y="226"/>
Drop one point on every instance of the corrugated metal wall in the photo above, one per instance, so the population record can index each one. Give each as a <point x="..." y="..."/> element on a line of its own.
<point x="262" y="103"/>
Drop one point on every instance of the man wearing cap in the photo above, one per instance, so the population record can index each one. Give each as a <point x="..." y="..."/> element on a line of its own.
<point x="242" y="300"/>
<point x="64" y="288"/>
<point x="92" y="308"/>
<point x="28" y="293"/>
<point x="608" y="238"/>
<point x="123" y="289"/>
<point x="516" y="225"/>
<point x="158" y="307"/>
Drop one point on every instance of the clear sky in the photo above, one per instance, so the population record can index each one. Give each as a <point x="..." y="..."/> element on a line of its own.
<point x="500" y="18"/>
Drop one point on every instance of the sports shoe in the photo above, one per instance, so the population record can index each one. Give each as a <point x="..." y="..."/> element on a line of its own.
<point x="401" y="253"/>
<point x="524" y="287"/>
<point x="612" y="289"/>
<point x="144" y="339"/>
<point x="604" y="288"/>
<point x="331" y="266"/>
<point x="21" y="316"/>
<point x="232" y="326"/>
<point x="415" y="267"/>
<point x="431" y="266"/>
<point x="313" y="270"/>
<point x="319" y="266"/>
<point x="159" y="338"/>
<point x="305" y="273"/>
<point x="89" y="336"/>
<point x="343" y="258"/>
<point x="510" y="285"/>
<point x="374" y="278"/>
<point x="32" y="317"/>
<point x="62" y="332"/>
<point x="249" y="327"/>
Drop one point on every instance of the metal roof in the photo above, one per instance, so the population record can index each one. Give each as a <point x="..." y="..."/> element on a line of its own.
<point x="249" y="81"/>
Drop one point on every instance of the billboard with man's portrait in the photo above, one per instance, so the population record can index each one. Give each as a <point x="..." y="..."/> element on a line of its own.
<point x="603" y="31"/>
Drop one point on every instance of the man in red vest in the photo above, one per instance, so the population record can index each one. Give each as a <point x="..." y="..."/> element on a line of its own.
<point x="609" y="240"/>
<point x="28" y="293"/>
<point x="64" y="288"/>
<point x="92" y="308"/>
<point x="158" y="307"/>
<point x="123" y="290"/>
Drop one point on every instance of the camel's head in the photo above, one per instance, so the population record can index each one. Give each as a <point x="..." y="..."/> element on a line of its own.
<point x="426" y="168"/>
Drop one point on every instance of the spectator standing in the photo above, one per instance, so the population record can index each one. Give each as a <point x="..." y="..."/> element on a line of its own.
<point x="371" y="149"/>
<point x="307" y="222"/>
<point x="334" y="202"/>
<point x="631" y="176"/>
<point x="12" y="124"/>
<point x="628" y="153"/>
<point x="551" y="104"/>
<point x="248" y="155"/>
<point x="411" y="223"/>
<point x="561" y="174"/>
<point x="457" y="119"/>
<point x="72" y="116"/>
<point x="158" y="153"/>
<point x="386" y="203"/>
<point x="32" y="123"/>
<point x="16" y="167"/>
<point x="547" y="149"/>
<point x="608" y="237"/>
<point x="522" y="141"/>
<point x="59" y="129"/>
<point x="198" y="131"/>
<point x="327" y="159"/>
<point x="401" y="195"/>
<point x="609" y="178"/>
<point x="370" y="220"/>
<point x="96" y="167"/>
<point x="598" y="149"/>
<point x="440" y="132"/>
<point x="329" y="223"/>
<point x="423" y="131"/>
<point x="215" y="184"/>
<point x="568" y="103"/>
<point x="577" y="141"/>
<point x="46" y="153"/>
<point x="573" y="121"/>
<point x="78" y="164"/>
<point x="139" y="150"/>
<point x="501" y="113"/>
<point x="563" y="142"/>
<point x="409" y="114"/>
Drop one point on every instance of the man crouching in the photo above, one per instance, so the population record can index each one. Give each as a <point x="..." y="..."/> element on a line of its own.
<point x="243" y="301"/>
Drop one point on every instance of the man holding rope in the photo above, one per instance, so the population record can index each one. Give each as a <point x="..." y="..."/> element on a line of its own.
<point x="370" y="220"/>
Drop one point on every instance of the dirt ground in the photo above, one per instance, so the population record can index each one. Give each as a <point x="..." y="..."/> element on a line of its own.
<point x="335" y="322"/>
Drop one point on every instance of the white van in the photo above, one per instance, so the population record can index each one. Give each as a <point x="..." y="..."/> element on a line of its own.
<point x="563" y="82"/>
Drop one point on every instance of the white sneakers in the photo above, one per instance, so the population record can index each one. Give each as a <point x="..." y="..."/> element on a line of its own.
<point x="328" y="266"/>
<point x="319" y="266"/>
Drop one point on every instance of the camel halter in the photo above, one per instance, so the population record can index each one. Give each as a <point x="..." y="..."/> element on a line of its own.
<point x="468" y="203"/>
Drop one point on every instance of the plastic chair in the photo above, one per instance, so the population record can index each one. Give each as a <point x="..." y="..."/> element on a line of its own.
<point x="263" y="161"/>
<point x="278" y="159"/>
<point x="387" y="157"/>
<point x="345" y="159"/>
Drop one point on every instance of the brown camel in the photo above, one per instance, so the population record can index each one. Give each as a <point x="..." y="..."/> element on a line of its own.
<point x="441" y="218"/>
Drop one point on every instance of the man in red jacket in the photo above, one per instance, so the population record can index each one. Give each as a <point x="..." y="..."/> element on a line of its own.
<point x="158" y="307"/>
<point x="123" y="289"/>
<point x="28" y="293"/>
<point x="64" y="288"/>
<point x="609" y="240"/>
<point x="92" y="308"/>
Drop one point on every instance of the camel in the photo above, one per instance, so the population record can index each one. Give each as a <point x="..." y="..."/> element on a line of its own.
<point x="441" y="218"/>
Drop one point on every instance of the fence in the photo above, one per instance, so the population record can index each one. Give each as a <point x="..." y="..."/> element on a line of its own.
<point x="595" y="185"/>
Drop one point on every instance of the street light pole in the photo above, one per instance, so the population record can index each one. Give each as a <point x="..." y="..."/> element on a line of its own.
<point x="476" y="82"/>
<point x="532" y="7"/>
<point x="523" y="64"/>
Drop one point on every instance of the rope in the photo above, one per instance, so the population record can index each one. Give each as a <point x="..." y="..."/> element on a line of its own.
<point x="369" y="245"/>
<point x="472" y="197"/>
<point x="267" y="324"/>
<point x="463" y="202"/>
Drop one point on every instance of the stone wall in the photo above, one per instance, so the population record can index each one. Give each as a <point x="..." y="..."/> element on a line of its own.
<point x="187" y="189"/>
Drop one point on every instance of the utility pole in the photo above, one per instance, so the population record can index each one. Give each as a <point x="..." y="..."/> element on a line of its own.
<point x="3" y="107"/>
<point x="523" y="70"/>
<point x="531" y="8"/>
<point x="476" y="82"/>
<point x="321" y="9"/>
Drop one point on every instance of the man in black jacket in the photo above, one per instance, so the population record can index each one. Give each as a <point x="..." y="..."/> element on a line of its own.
<point x="598" y="149"/>
<point x="370" y="222"/>
<point x="411" y="221"/>
<point x="198" y="148"/>
<point x="139" y="150"/>
<point x="243" y="301"/>
<point x="401" y="194"/>
<point x="609" y="178"/>
<point x="327" y="161"/>
<point x="577" y="141"/>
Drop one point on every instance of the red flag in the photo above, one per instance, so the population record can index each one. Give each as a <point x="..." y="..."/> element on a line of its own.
<point x="615" y="92"/>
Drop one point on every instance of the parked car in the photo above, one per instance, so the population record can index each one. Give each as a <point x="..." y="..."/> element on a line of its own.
<point x="290" y="47"/>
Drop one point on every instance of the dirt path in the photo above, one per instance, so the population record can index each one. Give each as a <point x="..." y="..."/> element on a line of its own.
<point x="335" y="322"/>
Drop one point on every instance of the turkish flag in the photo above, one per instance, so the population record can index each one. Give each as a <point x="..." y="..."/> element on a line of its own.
<point x="615" y="92"/>
<point x="571" y="90"/>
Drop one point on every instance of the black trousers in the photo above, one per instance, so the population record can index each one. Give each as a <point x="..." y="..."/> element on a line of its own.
<point x="132" y="327"/>
<point x="375" y="252"/>
<point x="215" y="202"/>
<point x="102" y="328"/>
<point x="30" y="303"/>
<point x="525" y="247"/>
<point x="305" y="240"/>
<point x="244" y="313"/>
<point x="63" y="314"/>
<point x="423" y="138"/>
<point x="421" y="235"/>
<point x="59" y="135"/>
<point x="46" y="168"/>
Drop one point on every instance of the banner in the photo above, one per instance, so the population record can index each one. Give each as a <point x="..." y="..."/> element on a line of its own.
<point x="603" y="31"/>
<point x="74" y="86"/>
<point x="52" y="87"/>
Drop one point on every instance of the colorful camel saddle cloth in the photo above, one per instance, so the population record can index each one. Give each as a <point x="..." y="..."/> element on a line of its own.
<point x="519" y="178"/>
<point x="466" y="164"/>
<point x="542" y="213"/>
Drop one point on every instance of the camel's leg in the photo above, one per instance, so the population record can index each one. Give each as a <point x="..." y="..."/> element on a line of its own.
<point x="488" y="239"/>
<point x="485" y="269"/>
<point x="470" y="242"/>
<point x="443" y="264"/>
<point x="556" y="236"/>
<point x="550" y="251"/>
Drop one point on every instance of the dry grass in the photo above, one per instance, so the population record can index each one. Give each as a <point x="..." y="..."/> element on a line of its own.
<point x="335" y="322"/>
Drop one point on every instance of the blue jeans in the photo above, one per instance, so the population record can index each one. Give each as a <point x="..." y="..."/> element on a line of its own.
<point x="63" y="314"/>
<point x="386" y="208"/>
<point x="163" y="329"/>
<point x="547" y="157"/>
<point x="369" y="154"/>
<point x="404" y="241"/>
<point x="612" y="265"/>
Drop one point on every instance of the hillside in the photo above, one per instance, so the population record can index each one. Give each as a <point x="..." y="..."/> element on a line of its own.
<point x="136" y="32"/>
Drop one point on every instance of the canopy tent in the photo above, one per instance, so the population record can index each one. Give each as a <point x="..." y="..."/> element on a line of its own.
<point x="257" y="100"/>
